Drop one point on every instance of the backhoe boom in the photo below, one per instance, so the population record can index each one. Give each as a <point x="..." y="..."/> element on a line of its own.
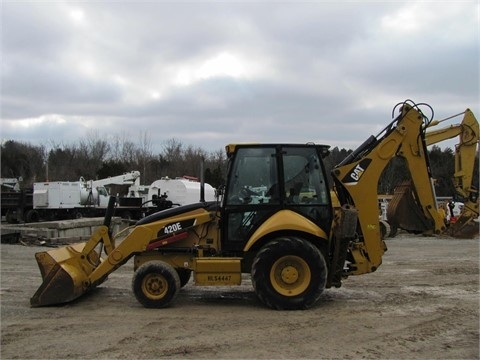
<point x="356" y="180"/>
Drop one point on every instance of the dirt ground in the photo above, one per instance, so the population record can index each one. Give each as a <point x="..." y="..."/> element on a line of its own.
<point x="422" y="303"/>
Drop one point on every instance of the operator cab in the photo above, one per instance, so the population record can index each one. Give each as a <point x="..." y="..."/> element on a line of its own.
<point x="264" y="179"/>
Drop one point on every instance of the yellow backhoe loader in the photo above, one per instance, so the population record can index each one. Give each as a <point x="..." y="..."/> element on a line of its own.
<point x="401" y="211"/>
<point x="274" y="221"/>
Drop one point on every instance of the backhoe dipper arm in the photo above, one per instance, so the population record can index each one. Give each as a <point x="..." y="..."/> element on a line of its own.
<point x="356" y="180"/>
<point x="464" y="225"/>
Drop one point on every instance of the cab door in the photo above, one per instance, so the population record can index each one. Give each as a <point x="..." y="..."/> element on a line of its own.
<point x="251" y="194"/>
<point x="305" y="186"/>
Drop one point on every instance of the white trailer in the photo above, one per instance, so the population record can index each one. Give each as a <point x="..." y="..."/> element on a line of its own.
<point x="64" y="199"/>
<point x="56" y="200"/>
<point x="180" y="191"/>
<point x="68" y="195"/>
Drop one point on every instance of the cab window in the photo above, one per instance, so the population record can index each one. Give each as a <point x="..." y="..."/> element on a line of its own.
<point x="303" y="176"/>
<point x="253" y="178"/>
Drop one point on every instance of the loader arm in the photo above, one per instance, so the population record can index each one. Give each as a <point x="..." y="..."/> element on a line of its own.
<point x="69" y="272"/>
<point x="357" y="176"/>
<point x="148" y="237"/>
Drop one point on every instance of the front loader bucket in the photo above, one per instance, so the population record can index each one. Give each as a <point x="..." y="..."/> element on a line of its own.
<point x="65" y="273"/>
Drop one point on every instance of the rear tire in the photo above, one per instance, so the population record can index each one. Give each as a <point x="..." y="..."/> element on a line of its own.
<point x="11" y="217"/>
<point x="155" y="284"/>
<point x="32" y="216"/>
<point x="289" y="273"/>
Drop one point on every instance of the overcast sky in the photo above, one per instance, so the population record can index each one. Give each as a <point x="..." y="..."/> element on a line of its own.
<point x="212" y="73"/>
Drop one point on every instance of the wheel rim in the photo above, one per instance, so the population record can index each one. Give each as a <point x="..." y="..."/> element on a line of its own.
<point x="290" y="275"/>
<point x="154" y="286"/>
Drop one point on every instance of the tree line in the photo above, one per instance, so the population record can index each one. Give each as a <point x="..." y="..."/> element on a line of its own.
<point x="96" y="158"/>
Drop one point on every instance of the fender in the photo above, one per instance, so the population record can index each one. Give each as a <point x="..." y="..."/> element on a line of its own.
<point x="285" y="220"/>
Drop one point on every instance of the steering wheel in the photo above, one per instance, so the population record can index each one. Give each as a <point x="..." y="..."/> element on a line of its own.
<point x="244" y="196"/>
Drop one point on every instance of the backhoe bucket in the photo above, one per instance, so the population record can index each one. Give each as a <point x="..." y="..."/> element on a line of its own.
<point x="65" y="273"/>
<point x="464" y="228"/>
<point x="403" y="211"/>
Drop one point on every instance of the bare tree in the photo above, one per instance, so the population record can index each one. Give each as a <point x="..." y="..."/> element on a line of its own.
<point x="173" y="156"/>
<point x="63" y="163"/>
<point x="93" y="150"/>
<point x="145" y="155"/>
<point x="215" y="168"/>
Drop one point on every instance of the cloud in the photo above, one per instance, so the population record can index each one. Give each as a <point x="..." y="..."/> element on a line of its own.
<point x="211" y="73"/>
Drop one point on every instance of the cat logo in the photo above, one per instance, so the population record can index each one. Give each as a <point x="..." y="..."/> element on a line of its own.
<point x="354" y="175"/>
<point x="357" y="172"/>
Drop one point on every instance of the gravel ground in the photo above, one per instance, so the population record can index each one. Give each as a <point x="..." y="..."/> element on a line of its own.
<point x="422" y="303"/>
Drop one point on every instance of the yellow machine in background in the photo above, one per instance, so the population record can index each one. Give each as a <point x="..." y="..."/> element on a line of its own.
<point x="275" y="221"/>
<point x="401" y="211"/>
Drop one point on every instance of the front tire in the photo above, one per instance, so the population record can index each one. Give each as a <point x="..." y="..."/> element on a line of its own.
<point x="155" y="284"/>
<point x="289" y="273"/>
